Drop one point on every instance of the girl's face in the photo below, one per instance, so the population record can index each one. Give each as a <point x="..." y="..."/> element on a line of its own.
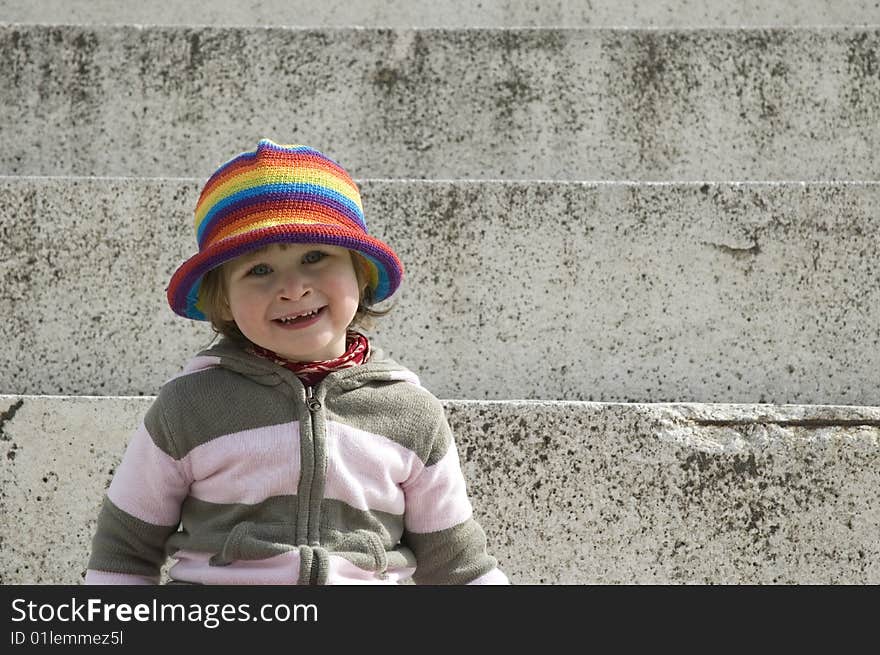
<point x="294" y="299"/>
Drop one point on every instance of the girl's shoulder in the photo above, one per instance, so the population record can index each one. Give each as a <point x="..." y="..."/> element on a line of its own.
<point x="396" y="408"/>
<point x="203" y="404"/>
<point x="382" y="383"/>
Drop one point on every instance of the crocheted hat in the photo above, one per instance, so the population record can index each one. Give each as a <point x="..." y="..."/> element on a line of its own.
<point x="279" y="194"/>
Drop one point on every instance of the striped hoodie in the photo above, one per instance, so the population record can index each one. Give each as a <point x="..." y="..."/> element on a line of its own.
<point x="245" y="476"/>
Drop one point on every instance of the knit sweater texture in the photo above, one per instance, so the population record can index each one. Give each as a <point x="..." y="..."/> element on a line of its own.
<point x="245" y="476"/>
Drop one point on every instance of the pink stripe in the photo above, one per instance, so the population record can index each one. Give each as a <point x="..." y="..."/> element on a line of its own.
<point x="281" y="570"/>
<point x="193" y="566"/>
<point x="343" y="572"/>
<point x="247" y="467"/>
<point x="365" y="470"/>
<point x="405" y="376"/>
<point x="437" y="499"/>
<point x="149" y="484"/>
<point x="110" y="578"/>
<point x="495" y="576"/>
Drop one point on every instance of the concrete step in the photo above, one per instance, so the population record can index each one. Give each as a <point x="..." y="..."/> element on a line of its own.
<point x="622" y="104"/>
<point x="721" y="292"/>
<point x="447" y="13"/>
<point x="572" y="493"/>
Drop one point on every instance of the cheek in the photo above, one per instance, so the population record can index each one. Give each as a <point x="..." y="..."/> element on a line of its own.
<point x="241" y="306"/>
<point x="345" y="285"/>
<point x="347" y="300"/>
<point x="353" y="292"/>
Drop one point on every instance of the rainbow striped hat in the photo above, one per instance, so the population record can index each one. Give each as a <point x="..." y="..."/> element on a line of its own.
<point x="279" y="194"/>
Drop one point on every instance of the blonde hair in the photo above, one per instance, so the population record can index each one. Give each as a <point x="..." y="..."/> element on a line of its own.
<point x="214" y="303"/>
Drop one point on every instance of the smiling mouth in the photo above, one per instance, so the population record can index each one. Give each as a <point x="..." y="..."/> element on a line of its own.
<point x="299" y="318"/>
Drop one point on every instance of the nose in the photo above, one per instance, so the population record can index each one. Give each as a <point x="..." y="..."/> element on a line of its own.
<point x="293" y="286"/>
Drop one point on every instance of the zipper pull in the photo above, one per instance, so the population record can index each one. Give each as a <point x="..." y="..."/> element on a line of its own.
<point x="313" y="403"/>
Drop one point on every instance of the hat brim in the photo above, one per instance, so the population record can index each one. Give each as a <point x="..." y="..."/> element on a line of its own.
<point x="183" y="289"/>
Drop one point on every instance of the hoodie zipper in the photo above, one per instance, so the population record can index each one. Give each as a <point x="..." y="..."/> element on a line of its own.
<point x="314" y="406"/>
<point x="313" y="403"/>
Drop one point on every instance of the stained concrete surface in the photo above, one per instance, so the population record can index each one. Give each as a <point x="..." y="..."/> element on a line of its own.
<point x="447" y="13"/>
<point x="576" y="493"/>
<point x="566" y="291"/>
<point x="579" y="104"/>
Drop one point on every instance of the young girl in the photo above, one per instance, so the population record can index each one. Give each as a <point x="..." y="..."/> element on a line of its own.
<point x="292" y="452"/>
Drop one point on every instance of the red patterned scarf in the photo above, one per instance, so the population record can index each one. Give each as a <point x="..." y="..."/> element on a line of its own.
<point x="357" y="351"/>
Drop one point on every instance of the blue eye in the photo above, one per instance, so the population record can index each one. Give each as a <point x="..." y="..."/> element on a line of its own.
<point x="260" y="270"/>
<point x="313" y="256"/>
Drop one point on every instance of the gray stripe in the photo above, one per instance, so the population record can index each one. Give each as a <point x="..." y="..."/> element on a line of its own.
<point x="367" y="549"/>
<point x="211" y="404"/>
<point x="339" y="516"/>
<point x="125" y="544"/>
<point x="238" y="531"/>
<point x="406" y="414"/>
<point x="454" y="556"/>
<point x="207" y="526"/>
<point x="218" y="401"/>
